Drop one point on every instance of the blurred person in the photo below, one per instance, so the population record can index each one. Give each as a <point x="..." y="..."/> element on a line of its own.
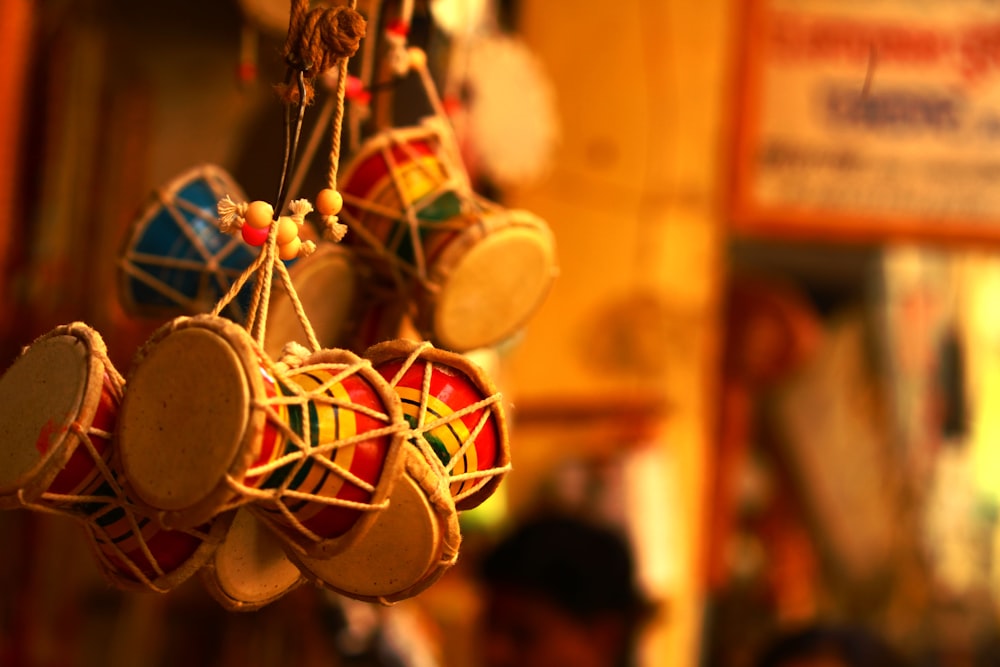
<point x="561" y="592"/>
<point x="823" y="645"/>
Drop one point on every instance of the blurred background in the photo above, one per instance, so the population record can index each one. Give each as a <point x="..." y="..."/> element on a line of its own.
<point x="768" y="357"/>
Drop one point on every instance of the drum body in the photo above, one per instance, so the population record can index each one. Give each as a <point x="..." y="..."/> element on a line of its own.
<point x="476" y="271"/>
<point x="249" y="569"/>
<point x="348" y="305"/>
<point x="210" y="424"/>
<point x="60" y="405"/>
<point x="409" y="546"/>
<point x="455" y="410"/>
<point x="175" y="260"/>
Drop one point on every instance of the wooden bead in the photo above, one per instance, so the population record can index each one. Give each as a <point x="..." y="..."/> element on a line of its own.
<point x="288" y="229"/>
<point x="418" y="59"/>
<point x="259" y="214"/>
<point x="253" y="235"/>
<point x="329" y="202"/>
<point x="290" y="250"/>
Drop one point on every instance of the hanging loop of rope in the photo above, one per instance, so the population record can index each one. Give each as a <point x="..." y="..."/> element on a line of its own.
<point x="317" y="39"/>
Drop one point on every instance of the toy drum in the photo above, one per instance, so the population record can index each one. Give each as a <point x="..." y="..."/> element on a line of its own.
<point x="478" y="270"/>
<point x="249" y="569"/>
<point x="346" y="305"/>
<point x="60" y="403"/>
<point x="408" y="547"/>
<point x="455" y="411"/>
<point x="208" y="424"/>
<point x="135" y="552"/>
<point x="175" y="260"/>
<point x="486" y="280"/>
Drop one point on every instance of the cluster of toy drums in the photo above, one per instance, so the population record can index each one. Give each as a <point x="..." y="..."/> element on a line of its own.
<point x="259" y="466"/>
<point x="210" y="458"/>
<point x="421" y="248"/>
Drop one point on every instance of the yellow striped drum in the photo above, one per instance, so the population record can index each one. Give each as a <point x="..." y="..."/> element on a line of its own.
<point x="210" y="423"/>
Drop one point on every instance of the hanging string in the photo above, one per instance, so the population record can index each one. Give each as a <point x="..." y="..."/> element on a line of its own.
<point x="418" y="62"/>
<point x="316" y="40"/>
<point x="360" y="110"/>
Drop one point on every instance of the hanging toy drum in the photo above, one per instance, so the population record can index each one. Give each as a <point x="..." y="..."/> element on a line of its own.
<point x="209" y="424"/>
<point x="249" y="569"/>
<point x="60" y="402"/>
<point x="410" y="545"/>
<point x="455" y="410"/>
<point x="176" y="261"/>
<point x="478" y="271"/>
<point x="348" y="306"/>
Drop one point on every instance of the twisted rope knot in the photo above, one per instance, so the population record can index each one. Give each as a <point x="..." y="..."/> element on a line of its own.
<point x="333" y="229"/>
<point x="293" y="355"/>
<point x="231" y="215"/>
<point x="316" y="40"/>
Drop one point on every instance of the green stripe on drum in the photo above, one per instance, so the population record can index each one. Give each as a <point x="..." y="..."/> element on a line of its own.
<point x="295" y="423"/>
<point x="436" y="443"/>
<point x="314" y="441"/>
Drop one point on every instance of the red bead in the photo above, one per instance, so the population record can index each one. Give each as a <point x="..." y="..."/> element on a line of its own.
<point x="398" y="28"/>
<point x="246" y="72"/>
<point x="354" y="87"/>
<point x="254" y="235"/>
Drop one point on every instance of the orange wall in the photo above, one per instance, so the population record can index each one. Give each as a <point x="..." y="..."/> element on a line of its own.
<point x="634" y="200"/>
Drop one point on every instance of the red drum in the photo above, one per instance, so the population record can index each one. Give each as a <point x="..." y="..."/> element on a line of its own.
<point x="477" y="271"/>
<point x="455" y="409"/>
<point x="60" y="403"/>
<point x="249" y="569"/>
<point x="408" y="547"/>
<point x="345" y="302"/>
<point x="210" y="424"/>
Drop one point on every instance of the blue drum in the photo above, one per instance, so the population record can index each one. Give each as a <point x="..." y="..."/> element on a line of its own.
<point x="176" y="261"/>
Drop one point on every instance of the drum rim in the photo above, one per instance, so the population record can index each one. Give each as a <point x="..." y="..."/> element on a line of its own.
<point x="221" y="590"/>
<point x="443" y="521"/>
<point x="34" y="481"/>
<point x="221" y="498"/>
<point x="394" y="350"/>
<point x="431" y="297"/>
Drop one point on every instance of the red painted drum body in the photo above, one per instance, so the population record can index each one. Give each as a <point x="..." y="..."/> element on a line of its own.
<point x="455" y="410"/>
<point x="476" y="271"/>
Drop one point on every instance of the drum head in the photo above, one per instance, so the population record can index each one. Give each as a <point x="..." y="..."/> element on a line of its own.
<point x="249" y="569"/>
<point x="45" y="390"/>
<point x="326" y="283"/>
<point x="489" y="288"/>
<point x="185" y="422"/>
<point x="407" y="548"/>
